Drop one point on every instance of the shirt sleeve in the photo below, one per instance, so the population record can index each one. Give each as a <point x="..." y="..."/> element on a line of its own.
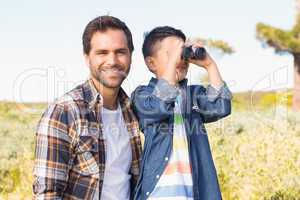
<point x="212" y="103"/>
<point x="154" y="105"/>
<point x="52" y="153"/>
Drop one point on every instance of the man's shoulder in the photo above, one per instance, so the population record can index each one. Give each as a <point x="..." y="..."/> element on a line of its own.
<point x="73" y="95"/>
<point x="70" y="101"/>
<point x="76" y="94"/>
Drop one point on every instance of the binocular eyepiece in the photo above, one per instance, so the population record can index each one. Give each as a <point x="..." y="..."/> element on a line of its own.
<point x="197" y="54"/>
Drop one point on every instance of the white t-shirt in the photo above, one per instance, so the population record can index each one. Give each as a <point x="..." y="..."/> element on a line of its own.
<point x="116" y="184"/>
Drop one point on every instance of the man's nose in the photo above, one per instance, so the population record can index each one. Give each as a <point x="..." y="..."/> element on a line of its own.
<point x="111" y="59"/>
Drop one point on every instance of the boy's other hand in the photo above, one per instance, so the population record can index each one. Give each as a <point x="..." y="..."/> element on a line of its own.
<point x="209" y="64"/>
<point x="206" y="62"/>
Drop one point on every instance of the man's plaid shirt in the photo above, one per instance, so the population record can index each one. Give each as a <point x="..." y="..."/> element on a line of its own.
<point x="70" y="148"/>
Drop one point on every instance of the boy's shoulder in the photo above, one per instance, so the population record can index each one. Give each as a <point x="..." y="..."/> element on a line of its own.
<point x="149" y="87"/>
<point x="142" y="88"/>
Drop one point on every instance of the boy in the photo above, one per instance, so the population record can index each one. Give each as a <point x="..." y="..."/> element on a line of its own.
<point x="177" y="161"/>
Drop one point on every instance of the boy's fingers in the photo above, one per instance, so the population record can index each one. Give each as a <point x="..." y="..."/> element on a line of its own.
<point x="178" y="46"/>
<point x="197" y="45"/>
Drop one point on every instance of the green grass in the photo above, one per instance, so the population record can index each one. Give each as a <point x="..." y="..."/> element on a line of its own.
<point x="257" y="157"/>
<point x="256" y="150"/>
<point x="17" y="148"/>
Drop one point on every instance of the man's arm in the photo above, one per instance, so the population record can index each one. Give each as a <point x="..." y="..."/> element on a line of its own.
<point x="52" y="153"/>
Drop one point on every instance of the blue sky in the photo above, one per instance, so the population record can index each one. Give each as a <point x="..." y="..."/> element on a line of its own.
<point x="41" y="50"/>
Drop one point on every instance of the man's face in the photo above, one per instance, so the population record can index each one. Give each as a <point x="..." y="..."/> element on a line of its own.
<point x="109" y="58"/>
<point x="160" y="57"/>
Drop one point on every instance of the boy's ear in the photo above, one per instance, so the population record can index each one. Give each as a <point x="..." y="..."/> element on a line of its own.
<point x="150" y="63"/>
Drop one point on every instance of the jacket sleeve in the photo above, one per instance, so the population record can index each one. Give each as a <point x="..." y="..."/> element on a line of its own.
<point x="52" y="153"/>
<point x="211" y="103"/>
<point x="153" y="105"/>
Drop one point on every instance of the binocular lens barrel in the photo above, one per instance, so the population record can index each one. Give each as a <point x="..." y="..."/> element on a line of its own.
<point x="198" y="54"/>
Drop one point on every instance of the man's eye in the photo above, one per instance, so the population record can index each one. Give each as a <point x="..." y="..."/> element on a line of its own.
<point x="122" y="52"/>
<point x="101" y="52"/>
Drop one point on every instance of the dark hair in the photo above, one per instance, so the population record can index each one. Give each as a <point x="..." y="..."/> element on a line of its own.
<point x="103" y="23"/>
<point x="158" y="34"/>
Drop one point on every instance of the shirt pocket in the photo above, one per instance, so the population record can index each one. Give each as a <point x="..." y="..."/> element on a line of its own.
<point x="87" y="156"/>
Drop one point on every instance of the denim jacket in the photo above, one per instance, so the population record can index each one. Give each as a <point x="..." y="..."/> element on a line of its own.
<point x="153" y="105"/>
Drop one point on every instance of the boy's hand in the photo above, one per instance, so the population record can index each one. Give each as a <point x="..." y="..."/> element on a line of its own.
<point x="173" y="58"/>
<point x="211" y="67"/>
<point x="206" y="62"/>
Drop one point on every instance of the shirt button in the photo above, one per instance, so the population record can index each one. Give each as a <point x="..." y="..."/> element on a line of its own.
<point x="147" y="193"/>
<point x="157" y="176"/>
<point x="166" y="158"/>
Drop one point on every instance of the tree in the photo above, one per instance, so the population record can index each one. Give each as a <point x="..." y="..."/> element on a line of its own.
<point x="285" y="41"/>
<point x="219" y="45"/>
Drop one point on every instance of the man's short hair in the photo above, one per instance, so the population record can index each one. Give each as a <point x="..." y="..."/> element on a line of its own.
<point x="158" y="34"/>
<point x="101" y="24"/>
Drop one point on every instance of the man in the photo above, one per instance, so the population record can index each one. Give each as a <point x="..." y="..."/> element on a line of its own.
<point x="87" y="142"/>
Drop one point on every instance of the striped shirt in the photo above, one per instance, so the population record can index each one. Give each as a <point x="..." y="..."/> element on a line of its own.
<point x="176" y="180"/>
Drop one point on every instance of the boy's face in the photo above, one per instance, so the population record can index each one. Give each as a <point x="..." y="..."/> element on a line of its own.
<point x="161" y="57"/>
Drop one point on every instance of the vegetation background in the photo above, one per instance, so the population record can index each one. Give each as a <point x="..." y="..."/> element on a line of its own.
<point x="256" y="149"/>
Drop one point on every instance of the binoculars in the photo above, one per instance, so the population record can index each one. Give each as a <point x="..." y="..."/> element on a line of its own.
<point x="197" y="54"/>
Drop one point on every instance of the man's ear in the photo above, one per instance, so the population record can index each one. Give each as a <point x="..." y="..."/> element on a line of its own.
<point x="150" y="63"/>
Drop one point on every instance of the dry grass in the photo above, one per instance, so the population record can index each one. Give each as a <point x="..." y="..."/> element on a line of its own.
<point x="256" y="149"/>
